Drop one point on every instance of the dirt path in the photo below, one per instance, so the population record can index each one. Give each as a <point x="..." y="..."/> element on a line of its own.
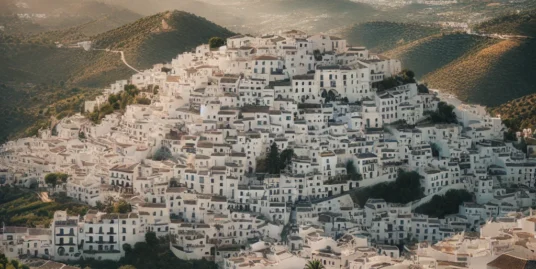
<point x="44" y="197"/>
<point x="122" y="58"/>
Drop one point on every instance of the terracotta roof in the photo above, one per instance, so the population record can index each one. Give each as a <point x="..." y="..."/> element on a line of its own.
<point x="507" y="261"/>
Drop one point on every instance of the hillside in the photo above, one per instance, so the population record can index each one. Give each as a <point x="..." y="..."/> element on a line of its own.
<point x="20" y="207"/>
<point x="266" y="16"/>
<point x="61" y="15"/>
<point x="519" y="113"/>
<point x="495" y="74"/>
<point x="383" y="36"/>
<point x="36" y="77"/>
<point x="433" y="52"/>
<point x="523" y="23"/>
<point x="160" y="37"/>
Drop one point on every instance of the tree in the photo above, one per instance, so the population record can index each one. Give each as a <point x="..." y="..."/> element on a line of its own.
<point x="285" y="158"/>
<point x="314" y="264"/>
<point x="51" y="179"/>
<point x="3" y="259"/>
<point x="62" y="177"/>
<point x="442" y="205"/>
<point x="272" y="160"/>
<point x="143" y="101"/>
<point x="444" y="114"/>
<point x="387" y="83"/>
<point x="331" y="96"/>
<point x="127" y="248"/>
<point x="100" y="206"/>
<point x="162" y="154"/>
<point x="509" y="135"/>
<point x="122" y="207"/>
<point x="407" y="76"/>
<point x="151" y="239"/>
<point x="318" y="55"/>
<point x="82" y="135"/>
<point x="131" y="90"/>
<point x="351" y="171"/>
<point x="216" y="42"/>
<point x="406" y="188"/>
<point x="15" y="263"/>
<point x="423" y="88"/>
<point x="522" y="145"/>
<point x="435" y="149"/>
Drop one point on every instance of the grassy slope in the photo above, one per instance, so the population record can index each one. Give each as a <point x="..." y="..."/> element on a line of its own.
<point x="383" y="36"/>
<point x="23" y="208"/>
<point x="53" y="72"/>
<point x="523" y="23"/>
<point x="41" y="63"/>
<point x="431" y="53"/>
<point x="499" y="72"/>
<point x="521" y="112"/>
<point x="495" y="74"/>
<point x="160" y="37"/>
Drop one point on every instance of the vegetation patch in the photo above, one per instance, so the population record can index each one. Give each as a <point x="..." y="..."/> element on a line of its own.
<point x="380" y="36"/>
<point x="406" y="188"/>
<point x="442" y="205"/>
<point x="22" y="207"/>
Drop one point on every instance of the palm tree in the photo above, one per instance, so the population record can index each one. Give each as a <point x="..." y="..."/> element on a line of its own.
<point x="314" y="264"/>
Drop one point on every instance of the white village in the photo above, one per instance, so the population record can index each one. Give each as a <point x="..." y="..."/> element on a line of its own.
<point x="250" y="155"/>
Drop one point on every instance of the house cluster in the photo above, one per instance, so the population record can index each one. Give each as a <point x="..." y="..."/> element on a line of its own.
<point x="191" y="162"/>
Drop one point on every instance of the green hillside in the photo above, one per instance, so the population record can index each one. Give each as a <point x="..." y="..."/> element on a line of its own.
<point x="431" y="53"/>
<point x="523" y="23"/>
<point x="256" y="16"/>
<point x="519" y="113"/>
<point x="20" y="207"/>
<point x="383" y="36"/>
<point x="477" y="69"/>
<point x="62" y="14"/>
<point x="160" y="37"/>
<point x="36" y="77"/>
<point x="495" y="74"/>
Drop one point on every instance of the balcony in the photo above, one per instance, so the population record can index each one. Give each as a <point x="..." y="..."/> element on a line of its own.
<point x="105" y="242"/>
<point x="110" y="251"/>
<point x="65" y="234"/>
<point x="65" y="244"/>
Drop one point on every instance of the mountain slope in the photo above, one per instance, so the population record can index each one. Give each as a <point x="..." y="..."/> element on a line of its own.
<point x="431" y="53"/>
<point x="160" y="37"/>
<point x="97" y="17"/>
<point x="523" y="23"/>
<point x="495" y="74"/>
<point x="498" y="72"/>
<point x="266" y="16"/>
<point x="36" y="77"/>
<point x="519" y="113"/>
<point x="383" y="36"/>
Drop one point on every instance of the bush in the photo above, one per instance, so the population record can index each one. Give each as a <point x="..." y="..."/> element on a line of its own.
<point x="143" y="101"/>
<point x="406" y="188"/>
<point x="216" y="42"/>
<point x="444" y="114"/>
<point x="442" y="205"/>
<point x="163" y="154"/>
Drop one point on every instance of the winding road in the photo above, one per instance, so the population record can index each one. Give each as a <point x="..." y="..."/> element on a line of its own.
<point x="122" y="58"/>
